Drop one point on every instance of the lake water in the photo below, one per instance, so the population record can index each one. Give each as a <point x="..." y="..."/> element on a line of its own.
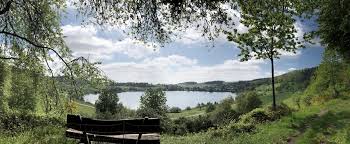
<point x="181" y="99"/>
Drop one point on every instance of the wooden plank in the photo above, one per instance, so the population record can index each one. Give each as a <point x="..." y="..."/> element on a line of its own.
<point x="105" y="127"/>
<point x="153" y="138"/>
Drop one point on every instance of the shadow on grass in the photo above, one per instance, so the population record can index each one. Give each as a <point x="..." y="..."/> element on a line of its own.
<point x="318" y="128"/>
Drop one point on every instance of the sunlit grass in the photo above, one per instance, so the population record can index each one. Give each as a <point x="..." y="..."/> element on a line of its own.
<point x="85" y="110"/>
<point x="188" y="113"/>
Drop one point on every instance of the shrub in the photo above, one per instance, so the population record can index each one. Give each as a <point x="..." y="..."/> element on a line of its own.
<point x="188" y="108"/>
<point x="307" y="100"/>
<point x="174" y="110"/>
<point x="147" y="112"/>
<point x="180" y="127"/>
<point x="18" y="122"/>
<point x="224" y="114"/>
<point x="256" y="116"/>
<point x="281" y="110"/>
<point x="184" y="125"/>
<point x="210" y="107"/>
<point x="241" y="127"/>
<point x="261" y="115"/>
<point x="198" y="124"/>
<point x="247" y="102"/>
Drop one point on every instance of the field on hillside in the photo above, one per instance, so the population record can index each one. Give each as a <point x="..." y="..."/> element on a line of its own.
<point x="188" y="113"/>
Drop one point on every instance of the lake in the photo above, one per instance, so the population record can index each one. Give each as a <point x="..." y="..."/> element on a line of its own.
<point x="181" y="99"/>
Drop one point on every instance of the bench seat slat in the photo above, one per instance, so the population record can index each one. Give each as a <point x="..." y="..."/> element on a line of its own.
<point x="126" y="139"/>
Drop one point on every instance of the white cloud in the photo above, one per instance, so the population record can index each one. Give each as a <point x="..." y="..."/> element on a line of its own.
<point x="300" y="31"/>
<point x="175" y="69"/>
<point x="84" y="41"/>
<point x="291" y="69"/>
<point x="290" y="54"/>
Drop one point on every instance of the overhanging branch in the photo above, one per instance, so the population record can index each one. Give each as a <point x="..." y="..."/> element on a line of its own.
<point x="44" y="47"/>
<point x="8" y="58"/>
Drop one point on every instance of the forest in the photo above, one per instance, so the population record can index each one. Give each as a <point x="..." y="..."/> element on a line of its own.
<point x="309" y="105"/>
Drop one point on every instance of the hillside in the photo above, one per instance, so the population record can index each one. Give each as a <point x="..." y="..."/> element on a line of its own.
<point x="294" y="80"/>
<point x="326" y="123"/>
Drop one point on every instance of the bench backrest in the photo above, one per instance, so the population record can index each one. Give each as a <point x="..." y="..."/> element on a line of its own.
<point x="108" y="127"/>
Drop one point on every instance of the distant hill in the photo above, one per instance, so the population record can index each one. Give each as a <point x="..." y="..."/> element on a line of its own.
<point x="294" y="80"/>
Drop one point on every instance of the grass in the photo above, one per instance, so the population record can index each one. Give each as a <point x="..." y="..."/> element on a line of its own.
<point x="86" y="110"/>
<point x="188" y="113"/>
<point x="326" y="123"/>
<point x="39" y="135"/>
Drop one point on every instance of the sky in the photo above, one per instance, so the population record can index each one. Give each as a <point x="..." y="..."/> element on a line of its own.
<point x="187" y="58"/>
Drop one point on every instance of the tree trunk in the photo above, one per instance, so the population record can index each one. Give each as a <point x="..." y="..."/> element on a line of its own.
<point x="273" y="85"/>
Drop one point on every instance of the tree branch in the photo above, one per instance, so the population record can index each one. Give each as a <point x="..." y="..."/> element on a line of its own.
<point x="44" y="47"/>
<point x="6" y="8"/>
<point x="8" y="58"/>
<point x="36" y="45"/>
<point x="52" y="77"/>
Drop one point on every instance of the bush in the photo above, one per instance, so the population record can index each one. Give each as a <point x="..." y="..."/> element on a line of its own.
<point x="224" y="113"/>
<point x="247" y="102"/>
<point x="180" y="127"/>
<point x="188" y="108"/>
<point x="256" y="116"/>
<point x="261" y="115"/>
<point x="241" y="127"/>
<point x="174" y="110"/>
<point x="224" y="116"/>
<point x="198" y="124"/>
<point x="210" y="108"/>
<point x="19" y="122"/>
<point x="151" y="113"/>
<point x="281" y="110"/>
<point x="184" y="125"/>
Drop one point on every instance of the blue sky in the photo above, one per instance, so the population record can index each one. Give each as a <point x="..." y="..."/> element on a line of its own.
<point x="189" y="58"/>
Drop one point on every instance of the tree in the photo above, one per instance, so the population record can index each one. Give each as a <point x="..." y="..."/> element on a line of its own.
<point x="153" y="103"/>
<point x="247" y="102"/>
<point x="271" y="31"/>
<point x="174" y="110"/>
<point x="31" y="35"/>
<point x="5" y="86"/>
<point x="159" y="20"/>
<point x="107" y="105"/>
<point x="23" y="97"/>
<point x="331" y="78"/>
<point x="333" y="17"/>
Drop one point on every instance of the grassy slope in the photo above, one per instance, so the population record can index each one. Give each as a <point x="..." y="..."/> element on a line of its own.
<point x="39" y="135"/>
<point x="327" y="123"/>
<point x="187" y="113"/>
<point x="47" y="134"/>
<point x="86" y="110"/>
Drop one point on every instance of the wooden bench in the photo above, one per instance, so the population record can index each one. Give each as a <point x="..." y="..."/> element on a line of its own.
<point x="128" y="131"/>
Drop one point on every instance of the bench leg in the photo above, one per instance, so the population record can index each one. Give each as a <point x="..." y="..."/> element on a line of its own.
<point x="138" y="139"/>
<point x="85" y="140"/>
